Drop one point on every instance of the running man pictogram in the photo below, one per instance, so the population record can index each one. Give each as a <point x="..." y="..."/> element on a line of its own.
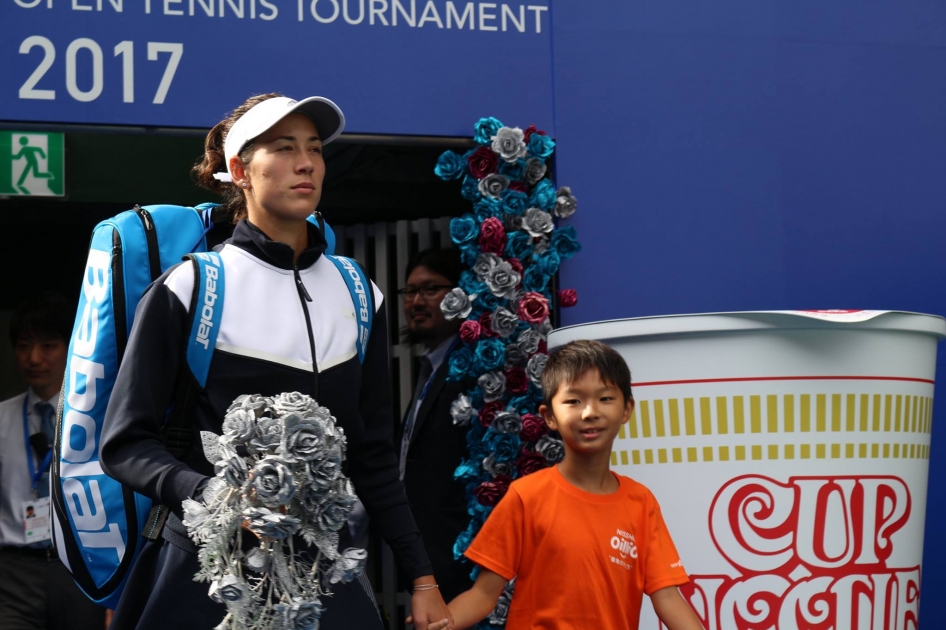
<point x="32" y="163"/>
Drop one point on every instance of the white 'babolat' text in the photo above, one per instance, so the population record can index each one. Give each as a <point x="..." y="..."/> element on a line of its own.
<point x="81" y="494"/>
<point x="362" y="300"/>
<point x="210" y="299"/>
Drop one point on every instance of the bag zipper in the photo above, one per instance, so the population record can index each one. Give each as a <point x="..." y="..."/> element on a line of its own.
<point x="151" y="236"/>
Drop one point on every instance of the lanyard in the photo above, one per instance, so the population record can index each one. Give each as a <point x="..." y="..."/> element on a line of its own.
<point x="34" y="473"/>
<point x="433" y="373"/>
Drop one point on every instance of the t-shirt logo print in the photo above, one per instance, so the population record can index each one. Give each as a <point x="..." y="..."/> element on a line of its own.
<point x="625" y="546"/>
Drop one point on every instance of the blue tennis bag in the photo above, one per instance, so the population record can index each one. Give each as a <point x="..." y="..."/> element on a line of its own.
<point x="97" y="522"/>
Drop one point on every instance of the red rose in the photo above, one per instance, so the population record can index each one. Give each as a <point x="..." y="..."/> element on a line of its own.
<point x="516" y="265"/>
<point x="519" y="186"/>
<point x="529" y="462"/>
<point x="493" y="236"/>
<point x="486" y="325"/>
<point x="529" y="131"/>
<point x="489" y="411"/>
<point x="483" y="162"/>
<point x="489" y="493"/>
<point x="533" y="427"/>
<point x="516" y="380"/>
<point x="533" y="308"/>
<point x="567" y="297"/>
<point x="469" y="331"/>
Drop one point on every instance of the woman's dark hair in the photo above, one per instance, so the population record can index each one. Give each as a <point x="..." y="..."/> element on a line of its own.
<point x="445" y="261"/>
<point x="568" y="363"/>
<point x="214" y="160"/>
<point x="46" y="315"/>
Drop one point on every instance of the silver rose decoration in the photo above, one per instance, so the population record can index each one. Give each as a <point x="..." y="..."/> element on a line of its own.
<point x="565" y="203"/>
<point x="552" y="449"/>
<point x="544" y="328"/>
<point x="333" y="511"/>
<point x="501" y="612"/>
<point x="461" y="410"/>
<point x="535" y="367"/>
<point x="268" y="524"/>
<point x="273" y="482"/>
<point x="239" y="425"/>
<point x="540" y="246"/>
<point x="456" y="304"/>
<point x="303" y="438"/>
<point x="537" y="222"/>
<point x="535" y="170"/>
<point x="294" y="402"/>
<point x="495" y="468"/>
<point x="268" y="436"/>
<point x="233" y="470"/>
<point x="257" y="560"/>
<point x="529" y="341"/>
<point x="229" y="589"/>
<point x="485" y="262"/>
<point x="507" y="422"/>
<point x="509" y="143"/>
<point x="253" y="402"/>
<point x="502" y="280"/>
<point x="493" y="185"/>
<point x="300" y="614"/>
<point x="323" y="472"/>
<point x="493" y="385"/>
<point x="504" y="322"/>
<point x="195" y="513"/>
<point x="514" y="355"/>
<point x="348" y="566"/>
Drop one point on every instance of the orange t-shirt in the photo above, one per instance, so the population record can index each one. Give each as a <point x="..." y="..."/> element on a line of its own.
<point x="581" y="560"/>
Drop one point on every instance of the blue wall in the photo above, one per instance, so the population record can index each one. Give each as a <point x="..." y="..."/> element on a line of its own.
<point x="759" y="155"/>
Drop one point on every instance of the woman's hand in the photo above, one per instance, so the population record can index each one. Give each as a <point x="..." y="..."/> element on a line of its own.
<point x="429" y="611"/>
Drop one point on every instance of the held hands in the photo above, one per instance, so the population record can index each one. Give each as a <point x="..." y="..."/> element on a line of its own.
<point x="429" y="610"/>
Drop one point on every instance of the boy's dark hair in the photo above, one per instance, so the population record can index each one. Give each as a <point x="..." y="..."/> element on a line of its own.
<point x="568" y="363"/>
<point x="48" y="314"/>
<point x="445" y="261"/>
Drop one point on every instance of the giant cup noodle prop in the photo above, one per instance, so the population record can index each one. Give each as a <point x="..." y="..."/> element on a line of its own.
<point x="789" y="452"/>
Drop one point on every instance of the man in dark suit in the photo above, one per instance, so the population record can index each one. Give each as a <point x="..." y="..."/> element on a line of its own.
<point x="431" y="446"/>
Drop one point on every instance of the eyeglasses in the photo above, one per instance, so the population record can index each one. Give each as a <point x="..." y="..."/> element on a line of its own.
<point x="428" y="291"/>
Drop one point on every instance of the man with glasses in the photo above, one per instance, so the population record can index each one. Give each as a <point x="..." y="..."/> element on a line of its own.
<point x="431" y="447"/>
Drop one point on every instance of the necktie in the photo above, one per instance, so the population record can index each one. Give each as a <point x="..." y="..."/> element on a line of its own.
<point x="46" y="413"/>
<point x="426" y="369"/>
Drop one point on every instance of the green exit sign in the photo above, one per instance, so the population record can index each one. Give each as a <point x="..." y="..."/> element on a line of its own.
<point x="31" y="164"/>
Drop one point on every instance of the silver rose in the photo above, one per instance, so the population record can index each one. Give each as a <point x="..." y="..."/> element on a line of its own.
<point x="233" y="470"/>
<point x="195" y="513"/>
<point x="517" y="295"/>
<point x="294" y="402"/>
<point x="303" y="438"/>
<point x="535" y="367"/>
<point x="544" y="328"/>
<point x="499" y="614"/>
<point x="456" y="304"/>
<point x="537" y="222"/>
<point x="461" y="410"/>
<point x="540" y="246"/>
<point x="299" y="615"/>
<point x="268" y="436"/>
<point x="509" y="143"/>
<point x="493" y="185"/>
<point x="493" y="385"/>
<point x="254" y="402"/>
<point x="269" y="524"/>
<point x="332" y="513"/>
<point x="529" y="341"/>
<point x="323" y="471"/>
<point x="552" y="449"/>
<point x="484" y="263"/>
<point x="565" y="203"/>
<point x="229" y="590"/>
<point x="257" y="560"/>
<point x="239" y="425"/>
<point x="273" y="483"/>
<point x="495" y="468"/>
<point x="502" y="280"/>
<point x="535" y="170"/>
<point x="504" y="322"/>
<point x="348" y="565"/>
<point x="507" y="422"/>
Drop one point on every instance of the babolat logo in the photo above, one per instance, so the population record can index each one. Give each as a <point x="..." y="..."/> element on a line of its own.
<point x="210" y="298"/>
<point x="362" y="300"/>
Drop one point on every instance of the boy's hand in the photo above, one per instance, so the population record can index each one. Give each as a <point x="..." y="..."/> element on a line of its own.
<point x="673" y="610"/>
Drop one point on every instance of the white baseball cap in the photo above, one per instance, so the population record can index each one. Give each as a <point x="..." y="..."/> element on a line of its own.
<point x="328" y="119"/>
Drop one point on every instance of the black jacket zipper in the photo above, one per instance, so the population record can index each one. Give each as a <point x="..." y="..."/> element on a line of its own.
<point x="303" y="298"/>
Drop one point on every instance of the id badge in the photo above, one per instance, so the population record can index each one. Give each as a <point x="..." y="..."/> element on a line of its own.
<point x="35" y="516"/>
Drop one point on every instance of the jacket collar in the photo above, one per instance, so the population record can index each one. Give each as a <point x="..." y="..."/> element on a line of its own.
<point x="254" y="241"/>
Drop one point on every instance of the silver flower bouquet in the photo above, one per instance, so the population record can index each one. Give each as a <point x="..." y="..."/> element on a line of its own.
<point x="289" y="483"/>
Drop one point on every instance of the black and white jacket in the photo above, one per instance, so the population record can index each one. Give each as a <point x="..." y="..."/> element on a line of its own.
<point x="276" y="316"/>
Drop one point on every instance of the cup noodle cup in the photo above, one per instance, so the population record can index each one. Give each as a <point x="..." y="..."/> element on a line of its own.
<point x="789" y="452"/>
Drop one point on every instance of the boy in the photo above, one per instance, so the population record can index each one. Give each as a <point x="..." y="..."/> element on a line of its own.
<point x="583" y="543"/>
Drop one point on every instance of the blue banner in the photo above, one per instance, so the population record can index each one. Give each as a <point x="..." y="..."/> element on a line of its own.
<point x="428" y="67"/>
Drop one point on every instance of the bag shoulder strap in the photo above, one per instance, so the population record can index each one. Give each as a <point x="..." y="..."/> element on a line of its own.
<point x="362" y="296"/>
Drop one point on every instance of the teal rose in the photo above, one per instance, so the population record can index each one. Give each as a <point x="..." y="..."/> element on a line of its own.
<point x="565" y="242"/>
<point x="543" y="195"/>
<point x="450" y="165"/>
<point x="463" y="229"/>
<point x="485" y="129"/>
